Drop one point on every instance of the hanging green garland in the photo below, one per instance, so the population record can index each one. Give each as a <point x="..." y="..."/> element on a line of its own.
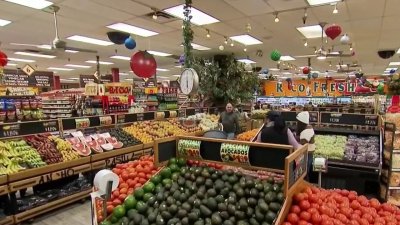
<point x="187" y="34"/>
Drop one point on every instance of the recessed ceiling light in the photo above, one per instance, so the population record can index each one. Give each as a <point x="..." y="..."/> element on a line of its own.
<point x="287" y="58"/>
<point x="21" y="60"/>
<point x="71" y="51"/>
<point x="59" y="69"/>
<point x="78" y="66"/>
<point x="100" y="62"/>
<point x="176" y="75"/>
<point x="159" y="53"/>
<point x="162" y="70"/>
<point x="35" y="55"/>
<point x="322" y="2"/>
<point x="89" y="40"/>
<point x="4" y="22"/>
<point x="36" y="4"/>
<point x="313" y="31"/>
<point x="121" y="57"/>
<point x="246" y="39"/>
<point x="394" y="64"/>
<point x="198" y="17"/>
<point x="132" y="29"/>
<point x="247" y="61"/>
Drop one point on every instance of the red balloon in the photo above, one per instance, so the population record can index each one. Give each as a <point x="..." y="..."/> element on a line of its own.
<point x="143" y="64"/>
<point x="333" y="31"/>
<point x="3" y="59"/>
<point x="306" y="70"/>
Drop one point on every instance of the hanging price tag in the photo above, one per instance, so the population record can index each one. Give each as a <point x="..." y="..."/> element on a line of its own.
<point x="29" y="70"/>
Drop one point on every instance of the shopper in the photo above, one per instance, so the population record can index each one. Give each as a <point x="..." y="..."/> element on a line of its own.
<point x="258" y="105"/>
<point x="230" y="121"/>
<point x="275" y="131"/>
<point x="305" y="135"/>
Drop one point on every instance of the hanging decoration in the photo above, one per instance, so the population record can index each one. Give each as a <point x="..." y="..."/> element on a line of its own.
<point x="143" y="64"/>
<point x="359" y="75"/>
<point x="187" y="34"/>
<point x="265" y="71"/>
<point x="381" y="88"/>
<point x="386" y="54"/>
<point x="275" y="55"/>
<point x="290" y="83"/>
<point x="3" y="59"/>
<point x="333" y="31"/>
<point x="314" y="75"/>
<point x="117" y="37"/>
<point x="130" y="43"/>
<point x="345" y="39"/>
<point x="306" y="70"/>
<point x="182" y="60"/>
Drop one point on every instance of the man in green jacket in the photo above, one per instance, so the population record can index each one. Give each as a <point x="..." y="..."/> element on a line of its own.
<point x="230" y="121"/>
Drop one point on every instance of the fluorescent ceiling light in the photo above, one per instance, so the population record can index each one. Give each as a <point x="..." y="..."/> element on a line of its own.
<point x="162" y="77"/>
<point x="100" y="62"/>
<point x="21" y="60"/>
<point x="273" y="69"/>
<point x="199" y="47"/>
<point x="132" y="29"/>
<point x="322" y="2"/>
<point x="159" y="53"/>
<point x="176" y="75"/>
<point x="59" y="69"/>
<point x="77" y="66"/>
<point x="74" y="78"/>
<point x="246" y="39"/>
<point x="4" y="22"/>
<point x="315" y="71"/>
<point x="247" y="61"/>
<point x="178" y="66"/>
<point x="130" y="79"/>
<point x="283" y="77"/>
<point x="36" y="4"/>
<point x="391" y="68"/>
<point x="287" y="58"/>
<point x="286" y="73"/>
<point x="394" y="64"/>
<point x="313" y="31"/>
<point x="89" y="40"/>
<point x="121" y="57"/>
<point x="198" y="17"/>
<point x="162" y="70"/>
<point x="123" y="74"/>
<point x="12" y="64"/>
<point x="35" y="55"/>
<point x="71" y="51"/>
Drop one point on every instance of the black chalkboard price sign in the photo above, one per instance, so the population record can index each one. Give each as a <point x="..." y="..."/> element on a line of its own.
<point x="25" y="128"/>
<point x="140" y="116"/>
<point x="349" y="119"/>
<point x="291" y="116"/>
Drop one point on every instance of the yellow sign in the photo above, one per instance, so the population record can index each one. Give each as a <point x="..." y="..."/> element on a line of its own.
<point x="18" y="91"/>
<point x="118" y="89"/>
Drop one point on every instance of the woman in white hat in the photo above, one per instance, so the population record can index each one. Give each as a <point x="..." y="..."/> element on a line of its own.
<point x="305" y="135"/>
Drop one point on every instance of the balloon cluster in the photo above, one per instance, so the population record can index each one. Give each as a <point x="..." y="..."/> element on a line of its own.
<point x="120" y="38"/>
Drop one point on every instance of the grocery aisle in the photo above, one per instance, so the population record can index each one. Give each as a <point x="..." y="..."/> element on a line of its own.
<point x="76" y="214"/>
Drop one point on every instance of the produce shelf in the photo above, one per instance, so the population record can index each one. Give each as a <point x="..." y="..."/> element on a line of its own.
<point x="47" y="169"/>
<point x="354" y="164"/>
<point x="117" y="152"/>
<point x="343" y="131"/>
<point x="8" y="220"/>
<point x="3" y="179"/>
<point x="28" y="214"/>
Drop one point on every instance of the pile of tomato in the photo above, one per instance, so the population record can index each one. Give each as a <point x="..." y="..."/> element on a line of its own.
<point x="132" y="175"/>
<point x="339" y="207"/>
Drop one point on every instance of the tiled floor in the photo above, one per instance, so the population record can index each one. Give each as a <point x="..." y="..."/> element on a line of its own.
<point x="75" y="214"/>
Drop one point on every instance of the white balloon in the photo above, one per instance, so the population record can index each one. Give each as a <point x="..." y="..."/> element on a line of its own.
<point x="345" y="39"/>
<point x="221" y="47"/>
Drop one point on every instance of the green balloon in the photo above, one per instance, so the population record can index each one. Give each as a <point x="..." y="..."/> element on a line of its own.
<point x="275" y="55"/>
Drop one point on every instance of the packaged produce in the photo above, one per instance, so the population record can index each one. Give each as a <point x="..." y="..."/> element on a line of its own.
<point x="342" y="207"/>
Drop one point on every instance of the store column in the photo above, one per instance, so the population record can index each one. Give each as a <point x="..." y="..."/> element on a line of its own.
<point x="57" y="83"/>
<point x="115" y="74"/>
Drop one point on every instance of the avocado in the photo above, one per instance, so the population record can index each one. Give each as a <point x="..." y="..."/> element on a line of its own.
<point x="211" y="192"/>
<point x="240" y="214"/>
<point x="205" y="211"/>
<point x="166" y="215"/>
<point x="152" y="217"/>
<point x="131" y="213"/>
<point x="274" y="206"/>
<point x="193" y="216"/>
<point x="233" y="179"/>
<point x="173" y="209"/>
<point x="224" y="215"/>
<point x="280" y="197"/>
<point x="240" y="192"/>
<point x="250" y="212"/>
<point x="270" y="216"/>
<point x="200" y="181"/>
<point x="212" y="203"/>
<point x="242" y="205"/>
<point x="252" y="201"/>
<point x="216" y="219"/>
<point x="219" y="184"/>
<point x="160" y="220"/>
<point x="253" y="221"/>
<point x="137" y="218"/>
<point x="172" y="221"/>
<point x="228" y="222"/>
<point x="231" y="209"/>
<point x="181" y="213"/>
<point x="185" y="221"/>
<point x="242" y="222"/>
<point x="186" y="206"/>
<point x="263" y="207"/>
<point x="208" y="183"/>
<point x="222" y="207"/>
<point x="259" y="215"/>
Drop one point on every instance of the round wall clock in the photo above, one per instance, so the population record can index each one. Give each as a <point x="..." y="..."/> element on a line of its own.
<point x="189" y="81"/>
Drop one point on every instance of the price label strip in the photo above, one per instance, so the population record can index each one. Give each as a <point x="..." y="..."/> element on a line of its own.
<point x="50" y="126"/>
<point x="140" y="116"/>
<point x="11" y="130"/>
<point x="235" y="153"/>
<point x="121" y="118"/>
<point x="189" y="149"/>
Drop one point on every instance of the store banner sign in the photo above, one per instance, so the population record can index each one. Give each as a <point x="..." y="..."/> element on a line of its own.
<point x="18" y="78"/>
<point x="314" y="87"/>
<point x="118" y="89"/>
<point x="18" y="91"/>
<point x="85" y="79"/>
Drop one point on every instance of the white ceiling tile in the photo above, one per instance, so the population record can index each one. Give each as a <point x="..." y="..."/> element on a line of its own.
<point x="126" y="6"/>
<point x="250" y="7"/>
<point x="280" y="5"/>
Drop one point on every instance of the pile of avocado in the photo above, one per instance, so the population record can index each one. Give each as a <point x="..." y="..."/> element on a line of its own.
<point x="124" y="137"/>
<point x="181" y="195"/>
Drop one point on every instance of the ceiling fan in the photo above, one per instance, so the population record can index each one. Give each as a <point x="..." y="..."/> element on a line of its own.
<point x="57" y="45"/>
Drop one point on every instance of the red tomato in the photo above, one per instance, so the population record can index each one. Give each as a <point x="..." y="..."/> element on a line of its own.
<point x="313" y="198"/>
<point x="148" y="176"/>
<point x="295" y="209"/>
<point x="293" y="218"/>
<point x="342" y="218"/>
<point x="122" y="197"/>
<point x="363" y="221"/>
<point x="316" y="218"/>
<point x="141" y="175"/>
<point x="123" y="185"/>
<point x="110" y="208"/>
<point x="116" y="202"/>
<point x="355" y="204"/>
<point x="125" y="175"/>
<point x="304" y="205"/>
<point x="115" y="193"/>
<point x="123" y="190"/>
<point x="305" y="216"/>
<point x="286" y="223"/>
<point x="312" y="210"/>
<point x="344" y="192"/>
<point x="116" y="171"/>
<point x="131" y="183"/>
<point x="327" y="222"/>
<point x="299" y="197"/>
<point x="142" y="180"/>
<point x="354" y="222"/>
<point x="302" y="222"/>
<point x="132" y="175"/>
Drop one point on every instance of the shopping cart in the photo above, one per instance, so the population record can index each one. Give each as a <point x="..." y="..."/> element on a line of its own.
<point x="217" y="133"/>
